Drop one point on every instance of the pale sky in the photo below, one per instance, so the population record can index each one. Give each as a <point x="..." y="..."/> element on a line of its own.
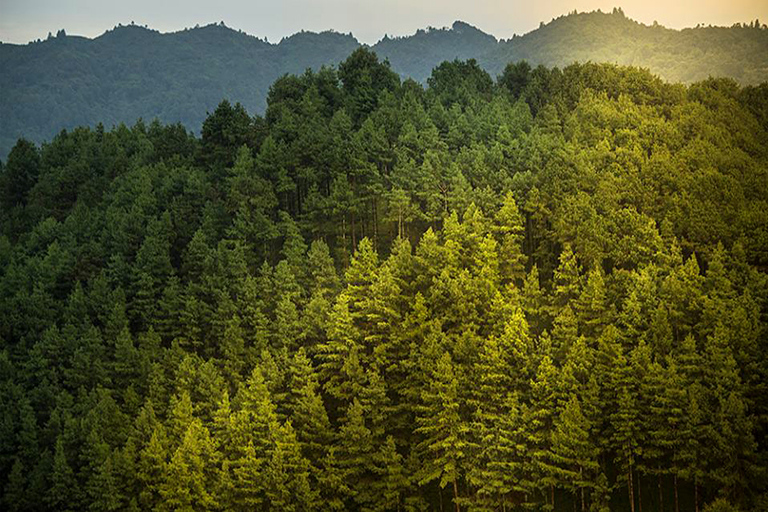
<point x="22" y="21"/>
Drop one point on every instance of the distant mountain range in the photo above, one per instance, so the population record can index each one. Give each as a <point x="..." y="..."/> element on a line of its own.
<point x="131" y="71"/>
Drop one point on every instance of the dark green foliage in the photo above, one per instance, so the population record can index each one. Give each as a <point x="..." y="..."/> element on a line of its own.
<point x="545" y="293"/>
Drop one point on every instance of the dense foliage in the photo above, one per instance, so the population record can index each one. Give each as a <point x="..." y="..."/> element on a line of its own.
<point x="132" y="72"/>
<point x="543" y="292"/>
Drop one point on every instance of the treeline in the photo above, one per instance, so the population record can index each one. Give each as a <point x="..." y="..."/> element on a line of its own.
<point x="132" y="72"/>
<point x="542" y="292"/>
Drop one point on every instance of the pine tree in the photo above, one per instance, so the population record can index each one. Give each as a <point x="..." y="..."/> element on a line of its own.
<point x="626" y="426"/>
<point x="567" y="278"/>
<point x="499" y="471"/>
<point x="591" y="306"/>
<point x="393" y="481"/>
<point x="573" y="453"/>
<point x="125" y="359"/>
<point x="691" y="456"/>
<point x="248" y="482"/>
<point x="250" y="200"/>
<point x="340" y="369"/>
<point x="323" y="284"/>
<point x="103" y="488"/>
<point x="151" y="467"/>
<point x="730" y="440"/>
<point x="14" y="493"/>
<point x="511" y="231"/>
<point x="256" y="418"/>
<point x="332" y="483"/>
<point x="667" y="413"/>
<point x="287" y="474"/>
<point x="307" y="410"/>
<point x="355" y="455"/>
<point x="533" y="301"/>
<point x="538" y="417"/>
<point x="294" y="249"/>
<point x="187" y="484"/>
<point x="445" y="433"/>
<point x="565" y="331"/>
<point x="63" y="491"/>
<point x="233" y="349"/>
<point x="181" y="415"/>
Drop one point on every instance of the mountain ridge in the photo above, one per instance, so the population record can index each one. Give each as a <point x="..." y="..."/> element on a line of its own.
<point x="132" y="72"/>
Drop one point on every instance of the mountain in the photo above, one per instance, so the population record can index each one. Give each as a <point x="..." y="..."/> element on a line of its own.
<point x="688" y="55"/>
<point x="415" y="56"/>
<point x="133" y="72"/>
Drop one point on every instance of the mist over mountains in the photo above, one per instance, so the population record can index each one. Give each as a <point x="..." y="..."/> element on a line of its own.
<point x="133" y="72"/>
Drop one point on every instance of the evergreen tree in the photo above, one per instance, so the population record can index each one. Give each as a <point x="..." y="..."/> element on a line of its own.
<point x="187" y="484"/>
<point x="445" y="433"/>
<point x="63" y="491"/>
<point x="573" y="451"/>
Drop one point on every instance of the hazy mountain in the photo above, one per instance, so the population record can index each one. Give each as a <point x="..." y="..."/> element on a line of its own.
<point x="131" y="71"/>
<point x="415" y="56"/>
<point x="688" y="55"/>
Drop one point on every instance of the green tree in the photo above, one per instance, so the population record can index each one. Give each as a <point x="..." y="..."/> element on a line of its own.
<point x="187" y="482"/>
<point x="444" y="432"/>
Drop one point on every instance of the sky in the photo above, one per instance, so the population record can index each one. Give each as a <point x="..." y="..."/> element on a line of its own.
<point x="22" y="21"/>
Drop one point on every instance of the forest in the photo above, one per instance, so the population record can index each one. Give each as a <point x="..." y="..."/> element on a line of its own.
<point x="545" y="291"/>
<point x="132" y="72"/>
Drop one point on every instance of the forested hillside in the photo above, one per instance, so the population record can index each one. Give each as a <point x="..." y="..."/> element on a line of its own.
<point x="132" y="72"/>
<point x="545" y="292"/>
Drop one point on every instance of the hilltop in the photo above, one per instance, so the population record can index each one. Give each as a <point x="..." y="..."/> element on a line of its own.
<point x="134" y="72"/>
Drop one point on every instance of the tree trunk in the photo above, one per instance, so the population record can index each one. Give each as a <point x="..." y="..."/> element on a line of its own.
<point x="581" y="475"/>
<point x="630" y="483"/>
<point x="661" y="495"/>
<point x="677" y="504"/>
<point x="552" y="493"/>
<point x="696" y="493"/>
<point x="375" y="224"/>
<point x="456" y="495"/>
<point x="639" y="493"/>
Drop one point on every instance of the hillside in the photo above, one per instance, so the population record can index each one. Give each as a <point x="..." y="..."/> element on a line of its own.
<point x="132" y="72"/>
<point x="688" y="55"/>
<point x="543" y="293"/>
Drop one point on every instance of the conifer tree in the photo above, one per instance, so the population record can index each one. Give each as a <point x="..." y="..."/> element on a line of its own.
<point x="538" y="418"/>
<point x="533" y="301"/>
<point x="14" y="492"/>
<point x="626" y="426"/>
<point x="248" y="480"/>
<point x="566" y="281"/>
<point x="445" y="433"/>
<point x="355" y="455"/>
<point x="340" y="369"/>
<point x="393" y="480"/>
<point x="591" y="306"/>
<point x="103" y="488"/>
<point x="63" y="491"/>
<point x="287" y="474"/>
<point x="573" y="453"/>
<point x="510" y="228"/>
<point x="151" y="466"/>
<point x="187" y="484"/>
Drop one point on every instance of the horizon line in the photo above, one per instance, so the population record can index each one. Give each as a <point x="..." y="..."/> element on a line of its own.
<point x="386" y="36"/>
